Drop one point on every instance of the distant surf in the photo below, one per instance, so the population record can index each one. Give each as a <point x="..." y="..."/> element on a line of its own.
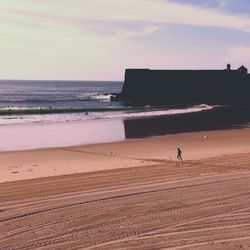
<point x="24" y="102"/>
<point x="50" y="115"/>
<point x="43" y="114"/>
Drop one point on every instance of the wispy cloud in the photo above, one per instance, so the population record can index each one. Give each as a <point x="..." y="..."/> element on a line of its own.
<point x="76" y="38"/>
<point x="146" y="31"/>
<point x="157" y="11"/>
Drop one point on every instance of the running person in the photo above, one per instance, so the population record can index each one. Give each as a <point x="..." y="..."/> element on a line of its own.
<point x="179" y="152"/>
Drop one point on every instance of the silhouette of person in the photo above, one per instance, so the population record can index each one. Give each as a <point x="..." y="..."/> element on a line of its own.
<point x="179" y="152"/>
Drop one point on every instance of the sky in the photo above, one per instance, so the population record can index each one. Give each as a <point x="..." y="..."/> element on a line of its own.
<point x="99" y="39"/>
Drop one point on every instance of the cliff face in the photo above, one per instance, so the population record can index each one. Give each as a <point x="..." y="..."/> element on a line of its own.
<point x="145" y="86"/>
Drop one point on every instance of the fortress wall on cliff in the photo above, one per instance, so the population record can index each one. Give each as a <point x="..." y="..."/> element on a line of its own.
<point x="185" y="86"/>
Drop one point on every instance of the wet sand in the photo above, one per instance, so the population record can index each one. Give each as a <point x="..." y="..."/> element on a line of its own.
<point x="130" y="195"/>
<point x="22" y="165"/>
<point x="18" y="137"/>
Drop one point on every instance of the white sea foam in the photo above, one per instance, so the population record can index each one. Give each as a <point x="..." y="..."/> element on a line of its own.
<point x="19" y="108"/>
<point x="94" y="96"/>
<point x="149" y="113"/>
<point x="102" y="97"/>
<point x="83" y="116"/>
<point x="86" y="95"/>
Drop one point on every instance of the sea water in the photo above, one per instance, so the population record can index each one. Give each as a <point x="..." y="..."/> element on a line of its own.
<point x="49" y="114"/>
<point x="29" y="102"/>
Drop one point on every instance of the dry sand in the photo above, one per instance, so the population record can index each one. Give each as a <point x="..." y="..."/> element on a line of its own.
<point x="136" y="197"/>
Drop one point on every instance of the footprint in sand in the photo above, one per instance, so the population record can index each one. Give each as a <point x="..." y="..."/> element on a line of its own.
<point x="114" y="154"/>
<point x="13" y="166"/>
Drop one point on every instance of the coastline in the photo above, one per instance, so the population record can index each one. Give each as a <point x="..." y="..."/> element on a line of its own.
<point x="216" y="118"/>
<point x="17" y="137"/>
<point x="130" y="194"/>
<point x="23" y="165"/>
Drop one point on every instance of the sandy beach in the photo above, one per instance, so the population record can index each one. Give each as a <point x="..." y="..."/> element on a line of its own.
<point x="129" y="195"/>
<point x="125" y="125"/>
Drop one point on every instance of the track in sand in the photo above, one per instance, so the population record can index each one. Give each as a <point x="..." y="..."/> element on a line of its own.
<point x="194" y="205"/>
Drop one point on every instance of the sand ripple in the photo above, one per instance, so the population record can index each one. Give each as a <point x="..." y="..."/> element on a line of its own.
<point x="201" y="204"/>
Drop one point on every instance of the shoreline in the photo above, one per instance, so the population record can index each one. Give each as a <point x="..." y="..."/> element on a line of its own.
<point x="132" y="194"/>
<point x="32" y="164"/>
<point x="18" y="137"/>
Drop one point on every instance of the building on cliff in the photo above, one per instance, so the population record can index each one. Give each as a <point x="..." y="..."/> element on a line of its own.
<point x="145" y="86"/>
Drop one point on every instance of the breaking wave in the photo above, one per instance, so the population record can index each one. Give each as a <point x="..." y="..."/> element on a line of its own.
<point x="12" y="115"/>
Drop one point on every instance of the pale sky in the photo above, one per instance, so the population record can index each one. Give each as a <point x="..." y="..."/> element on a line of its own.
<point x="99" y="39"/>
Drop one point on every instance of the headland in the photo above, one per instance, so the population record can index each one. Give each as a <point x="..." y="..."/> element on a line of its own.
<point x="134" y="194"/>
<point x="175" y="87"/>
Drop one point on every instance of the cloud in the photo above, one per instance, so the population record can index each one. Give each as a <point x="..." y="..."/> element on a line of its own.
<point x="76" y="38"/>
<point x="147" y="11"/>
<point x="162" y="12"/>
<point x="129" y="34"/>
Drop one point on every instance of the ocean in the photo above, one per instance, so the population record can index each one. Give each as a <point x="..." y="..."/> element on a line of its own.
<point x="29" y="102"/>
<point x="54" y="114"/>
